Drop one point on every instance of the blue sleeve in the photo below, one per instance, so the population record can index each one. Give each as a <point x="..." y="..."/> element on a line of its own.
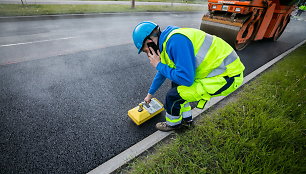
<point x="157" y="82"/>
<point x="180" y="51"/>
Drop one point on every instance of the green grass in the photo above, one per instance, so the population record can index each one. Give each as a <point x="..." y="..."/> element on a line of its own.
<point x="262" y="131"/>
<point x="24" y="10"/>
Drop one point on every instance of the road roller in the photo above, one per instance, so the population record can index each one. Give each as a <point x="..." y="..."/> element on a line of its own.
<point x="241" y="21"/>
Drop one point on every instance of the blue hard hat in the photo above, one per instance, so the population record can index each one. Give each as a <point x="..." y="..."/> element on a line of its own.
<point x="141" y="32"/>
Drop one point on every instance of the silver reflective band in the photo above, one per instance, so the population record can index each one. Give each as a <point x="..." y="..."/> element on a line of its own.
<point x="228" y="60"/>
<point x="187" y="105"/>
<point x="186" y="114"/>
<point x="173" y="124"/>
<point x="177" y="119"/>
<point x="204" y="49"/>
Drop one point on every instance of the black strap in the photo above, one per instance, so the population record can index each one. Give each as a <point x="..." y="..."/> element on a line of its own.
<point x="230" y="81"/>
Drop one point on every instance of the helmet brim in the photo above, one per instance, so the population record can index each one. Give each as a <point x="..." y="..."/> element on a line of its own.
<point x="140" y="50"/>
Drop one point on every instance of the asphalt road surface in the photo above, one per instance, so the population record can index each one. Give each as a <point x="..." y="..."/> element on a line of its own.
<point x="67" y="83"/>
<point x="78" y="2"/>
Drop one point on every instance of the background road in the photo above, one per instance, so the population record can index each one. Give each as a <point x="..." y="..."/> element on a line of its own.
<point x="96" y="2"/>
<point x="67" y="84"/>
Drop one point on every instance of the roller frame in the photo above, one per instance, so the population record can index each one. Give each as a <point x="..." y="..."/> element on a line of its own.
<point x="267" y="19"/>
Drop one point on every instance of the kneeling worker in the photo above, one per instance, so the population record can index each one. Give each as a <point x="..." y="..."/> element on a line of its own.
<point x="199" y="65"/>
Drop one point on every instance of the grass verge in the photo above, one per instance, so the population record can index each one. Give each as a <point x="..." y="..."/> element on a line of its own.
<point x="42" y="9"/>
<point x="261" y="131"/>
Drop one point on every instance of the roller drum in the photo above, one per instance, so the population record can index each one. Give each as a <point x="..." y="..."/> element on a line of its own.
<point x="226" y="32"/>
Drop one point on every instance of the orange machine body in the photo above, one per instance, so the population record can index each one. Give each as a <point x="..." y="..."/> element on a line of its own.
<point x="247" y="20"/>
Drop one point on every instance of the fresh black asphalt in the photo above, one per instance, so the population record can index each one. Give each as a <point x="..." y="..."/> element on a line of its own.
<point x="68" y="113"/>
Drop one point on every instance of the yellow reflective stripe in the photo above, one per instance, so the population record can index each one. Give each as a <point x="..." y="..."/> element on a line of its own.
<point x="204" y="49"/>
<point x="222" y="68"/>
<point x="185" y="107"/>
<point x="173" y="119"/>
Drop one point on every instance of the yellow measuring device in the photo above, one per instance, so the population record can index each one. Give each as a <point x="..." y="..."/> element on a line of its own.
<point x="145" y="111"/>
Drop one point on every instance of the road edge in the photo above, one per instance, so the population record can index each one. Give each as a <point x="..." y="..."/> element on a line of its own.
<point x="85" y="15"/>
<point x="119" y="160"/>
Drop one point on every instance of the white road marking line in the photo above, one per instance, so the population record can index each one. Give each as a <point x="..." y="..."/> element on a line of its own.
<point x="39" y="41"/>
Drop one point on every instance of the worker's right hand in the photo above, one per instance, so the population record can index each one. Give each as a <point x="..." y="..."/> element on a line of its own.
<point x="154" y="57"/>
<point x="148" y="98"/>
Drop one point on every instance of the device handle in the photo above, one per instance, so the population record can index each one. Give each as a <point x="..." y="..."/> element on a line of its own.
<point x="140" y="109"/>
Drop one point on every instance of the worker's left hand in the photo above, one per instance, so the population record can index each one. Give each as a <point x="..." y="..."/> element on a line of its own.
<point x="148" y="98"/>
<point x="154" y="58"/>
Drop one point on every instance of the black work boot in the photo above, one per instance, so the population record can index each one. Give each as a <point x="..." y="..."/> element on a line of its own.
<point x="188" y="124"/>
<point x="162" y="126"/>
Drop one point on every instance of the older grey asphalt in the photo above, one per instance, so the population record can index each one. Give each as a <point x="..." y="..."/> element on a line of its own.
<point x="63" y="103"/>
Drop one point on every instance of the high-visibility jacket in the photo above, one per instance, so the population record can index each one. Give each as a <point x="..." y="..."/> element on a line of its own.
<point x="302" y="7"/>
<point x="215" y="59"/>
